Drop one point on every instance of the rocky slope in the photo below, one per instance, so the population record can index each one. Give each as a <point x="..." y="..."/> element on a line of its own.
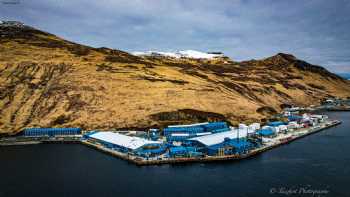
<point x="47" y="81"/>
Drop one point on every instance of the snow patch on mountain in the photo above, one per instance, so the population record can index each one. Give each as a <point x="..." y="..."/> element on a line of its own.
<point x="181" y="54"/>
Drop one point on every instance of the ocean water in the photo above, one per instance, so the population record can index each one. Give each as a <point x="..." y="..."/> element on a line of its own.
<point x="317" y="165"/>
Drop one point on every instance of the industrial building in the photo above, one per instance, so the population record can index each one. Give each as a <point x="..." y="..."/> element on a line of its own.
<point x="126" y="144"/>
<point x="183" y="132"/>
<point x="275" y="123"/>
<point x="294" y="118"/>
<point x="51" y="132"/>
<point x="230" y="147"/>
<point x="224" y="143"/>
<point x="182" y="151"/>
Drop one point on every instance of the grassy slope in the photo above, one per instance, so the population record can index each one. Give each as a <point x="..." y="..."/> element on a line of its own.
<point x="46" y="81"/>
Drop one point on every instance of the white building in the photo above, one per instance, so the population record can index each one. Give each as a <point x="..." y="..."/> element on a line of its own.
<point x="254" y="126"/>
<point x="218" y="138"/>
<point x="120" y="140"/>
<point x="293" y="125"/>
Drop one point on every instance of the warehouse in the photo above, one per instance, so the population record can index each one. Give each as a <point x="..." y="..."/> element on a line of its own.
<point x="225" y="143"/>
<point x="230" y="147"/>
<point x="181" y="151"/>
<point x="183" y="132"/>
<point x="217" y="138"/>
<point x="51" y="132"/>
<point x="127" y="144"/>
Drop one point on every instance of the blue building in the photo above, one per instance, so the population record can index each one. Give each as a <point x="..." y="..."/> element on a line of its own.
<point x="225" y="143"/>
<point x="183" y="132"/>
<point x="182" y="151"/>
<point x="294" y="118"/>
<point x="230" y="147"/>
<point x="276" y="123"/>
<point x="51" y="132"/>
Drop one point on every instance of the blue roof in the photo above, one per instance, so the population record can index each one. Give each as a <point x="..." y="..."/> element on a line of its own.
<point x="276" y="123"/>
<point x="177" y="150"/>
<point x="294" y="117"/>
<point x="239" y="143"/>
<point x="266" y="132"/>
<point x="221" y="130"/>
<point x="197" y="128"/>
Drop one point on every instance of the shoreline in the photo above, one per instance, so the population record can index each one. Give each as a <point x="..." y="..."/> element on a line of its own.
<point x="285" y="139"/>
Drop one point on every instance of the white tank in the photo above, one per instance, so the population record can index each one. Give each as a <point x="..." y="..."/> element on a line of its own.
<point x="255" y="126"/>
<point x="241" y="126"/>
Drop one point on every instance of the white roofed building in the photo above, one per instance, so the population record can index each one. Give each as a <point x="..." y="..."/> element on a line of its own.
<point x="121" y="142"/>
<point x="217" y="138"/>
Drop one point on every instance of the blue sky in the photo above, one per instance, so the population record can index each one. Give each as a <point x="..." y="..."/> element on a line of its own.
<point x="314" y="30"/>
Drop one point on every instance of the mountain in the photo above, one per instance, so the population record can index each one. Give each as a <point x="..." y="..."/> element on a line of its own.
<point x="46" y="81"/>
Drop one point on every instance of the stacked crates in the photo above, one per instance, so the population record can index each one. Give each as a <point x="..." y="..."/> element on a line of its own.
<point x="42" y="132"/>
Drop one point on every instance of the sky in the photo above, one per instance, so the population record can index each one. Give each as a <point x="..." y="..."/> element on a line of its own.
<point x="313" y="30"/>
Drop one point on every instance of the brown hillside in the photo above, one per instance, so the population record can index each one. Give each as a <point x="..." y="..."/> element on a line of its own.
<point x="46" y="81"/>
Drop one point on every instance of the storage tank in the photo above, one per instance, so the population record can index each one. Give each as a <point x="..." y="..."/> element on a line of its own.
<point x="242" y="126"/>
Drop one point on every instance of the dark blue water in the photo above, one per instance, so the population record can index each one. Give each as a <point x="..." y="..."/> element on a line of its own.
<point x="319" y="163"/>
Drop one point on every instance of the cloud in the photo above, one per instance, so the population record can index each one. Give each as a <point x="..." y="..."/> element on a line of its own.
<point x="316" y="31"/>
